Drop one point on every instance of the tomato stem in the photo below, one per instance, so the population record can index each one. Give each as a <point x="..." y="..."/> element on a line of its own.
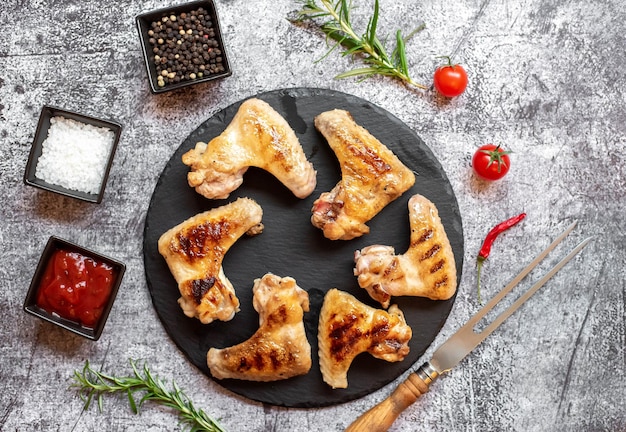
<point x="496" y="156"/>
<point x="449" y="59"/>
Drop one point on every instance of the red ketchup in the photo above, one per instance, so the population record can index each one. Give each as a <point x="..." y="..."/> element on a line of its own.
<point x="75" y="287"/>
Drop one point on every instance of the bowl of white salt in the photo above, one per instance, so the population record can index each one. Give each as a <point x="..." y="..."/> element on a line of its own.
<point x="72" y="154"/>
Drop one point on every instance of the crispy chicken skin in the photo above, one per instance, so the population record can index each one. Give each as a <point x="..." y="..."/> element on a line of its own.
<point x="194" y="251"/>
<point x="257" y="136"/>
<point x="279" y="349"/>
<point x="371" y="177"/>
<point x="348" y="327"/>
<point x="426" y="269"/>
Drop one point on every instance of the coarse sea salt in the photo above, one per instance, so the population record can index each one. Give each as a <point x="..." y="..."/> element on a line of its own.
<point x="75" y="155"/>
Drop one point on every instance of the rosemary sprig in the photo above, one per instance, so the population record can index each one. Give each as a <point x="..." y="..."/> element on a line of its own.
<point x="92" y="384"/>
<point x="337" y="25"/>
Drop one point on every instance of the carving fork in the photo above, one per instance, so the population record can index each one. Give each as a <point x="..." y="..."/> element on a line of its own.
<point x="451" y="352"/>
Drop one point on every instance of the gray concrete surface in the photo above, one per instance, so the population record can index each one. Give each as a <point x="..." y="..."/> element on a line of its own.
<point x="546" y="81"/>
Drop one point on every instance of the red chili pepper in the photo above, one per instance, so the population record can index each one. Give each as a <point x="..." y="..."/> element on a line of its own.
<point x="490" y="238"/>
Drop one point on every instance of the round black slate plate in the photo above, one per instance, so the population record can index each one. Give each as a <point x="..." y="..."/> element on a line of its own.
<point x="291" y="246"/>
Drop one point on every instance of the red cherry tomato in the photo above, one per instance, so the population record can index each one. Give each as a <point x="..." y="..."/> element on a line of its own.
<point x="491" y="162"/>
<point x="450" y="80"/>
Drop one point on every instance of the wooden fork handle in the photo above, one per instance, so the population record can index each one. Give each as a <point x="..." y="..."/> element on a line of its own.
<point x="381" y="416"/>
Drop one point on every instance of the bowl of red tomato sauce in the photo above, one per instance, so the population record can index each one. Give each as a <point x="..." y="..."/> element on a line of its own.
<point x="74" y="287"/>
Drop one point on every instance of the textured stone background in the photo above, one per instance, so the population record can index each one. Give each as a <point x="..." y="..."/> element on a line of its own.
<point x="546" y="81"/>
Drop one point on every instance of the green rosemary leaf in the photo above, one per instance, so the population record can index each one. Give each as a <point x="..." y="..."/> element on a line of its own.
<point x="401" y="53"/>
<point x="358" y="72"/>
<point x="379" y="48"/>
<point x="352" y="51"/>
<point x="335" y="46"/>
<point x="131" y="401"/>
<point x="344" y="11"/>
<point x="372" y="25"/>
<point x="87" y="399"/>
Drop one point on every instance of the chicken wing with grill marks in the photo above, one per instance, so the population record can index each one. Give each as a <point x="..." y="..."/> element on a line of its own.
<point x="348" y="327"/>
<point x="426" y="269"/>
<point x="279" y="349"/>
<point x="257" y="136"/>
<point x="371" y="177"/>
<point x="194" y="251"/>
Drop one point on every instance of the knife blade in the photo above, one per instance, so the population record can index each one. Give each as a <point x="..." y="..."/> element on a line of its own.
<point x="456" y="347"/>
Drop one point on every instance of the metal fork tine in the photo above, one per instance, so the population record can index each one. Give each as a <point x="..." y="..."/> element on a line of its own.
<point x="507" y="289"/>
<point x="509" y="311"/>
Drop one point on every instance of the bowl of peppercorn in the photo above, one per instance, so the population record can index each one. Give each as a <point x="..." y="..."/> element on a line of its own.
<point x="182" y="45"/>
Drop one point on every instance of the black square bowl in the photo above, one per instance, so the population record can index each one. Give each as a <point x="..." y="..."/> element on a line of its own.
<point x="47" y="113"/>
<point x="32" y="307"/>
<point x="183" y="46"/>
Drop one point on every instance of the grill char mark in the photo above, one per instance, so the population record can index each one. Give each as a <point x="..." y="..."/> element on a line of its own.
<point x="200" y="287"/>
<point x="198" y="241"/>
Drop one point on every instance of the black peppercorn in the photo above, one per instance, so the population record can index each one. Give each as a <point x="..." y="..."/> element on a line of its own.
<point x="185" y="47"/>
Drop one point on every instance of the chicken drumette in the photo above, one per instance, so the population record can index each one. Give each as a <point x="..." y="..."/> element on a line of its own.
<point x="279" y="349"/>
<point x="426" y="269"/>
<point x="257" y="136"/>
<point x="194" y="251"/>
<point x="371" y="177"/>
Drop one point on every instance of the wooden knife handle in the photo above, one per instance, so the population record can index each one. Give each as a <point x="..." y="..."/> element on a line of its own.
<point x="381" y="417"/>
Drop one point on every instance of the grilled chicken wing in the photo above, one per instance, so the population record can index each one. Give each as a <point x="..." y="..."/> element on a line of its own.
<point x="194" y="251"/>
<point x="372" y="177"/>
<point x="426" y="269"/>
<point x="257" y="136"/>
<point x="279" y="349"/>
<point x="348" y="327"/>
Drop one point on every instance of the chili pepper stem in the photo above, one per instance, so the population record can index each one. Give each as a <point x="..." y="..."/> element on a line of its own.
<point x="479" y="265"/>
